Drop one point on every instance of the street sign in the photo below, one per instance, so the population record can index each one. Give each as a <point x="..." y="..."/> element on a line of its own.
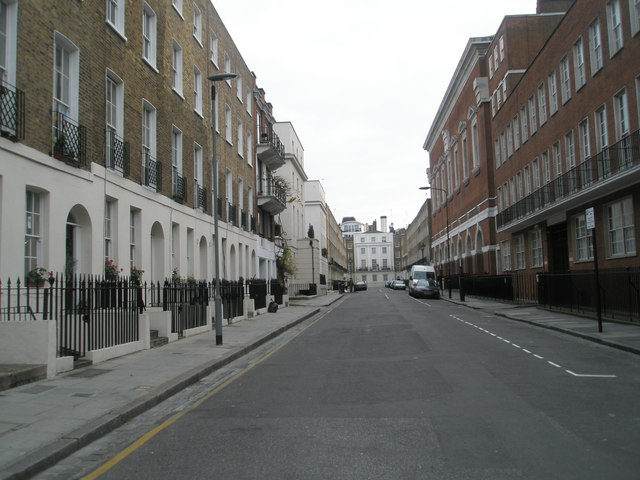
<point x="589" y="218"/>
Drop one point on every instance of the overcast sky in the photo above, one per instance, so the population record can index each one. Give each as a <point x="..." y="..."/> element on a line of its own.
<point x="361" y="82"/>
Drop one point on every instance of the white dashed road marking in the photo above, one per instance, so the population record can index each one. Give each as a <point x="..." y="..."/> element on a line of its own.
<point x="553" y="364"/>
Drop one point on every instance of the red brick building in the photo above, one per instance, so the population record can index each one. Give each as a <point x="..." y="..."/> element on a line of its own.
<point x="567" y="133"/>
<point x="539" y="123"/>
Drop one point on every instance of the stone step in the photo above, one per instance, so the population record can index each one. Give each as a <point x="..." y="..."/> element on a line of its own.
<point x="20" y="374"/>
<point x="159" y="341"/>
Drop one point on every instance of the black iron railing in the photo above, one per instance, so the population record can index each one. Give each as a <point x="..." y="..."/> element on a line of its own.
<point x="178" y="187"/>
<point x="117" y="153"/>
<point x="200" y="196"/>
<point x="269" y="187"/>
<point x="69" y="139"/>
<point x="187" y="302"/>
<point x="610" y="162"/>
<point x="272" y="138"/>
<point x="151" y="172"/>
<point x="11" y="112"/>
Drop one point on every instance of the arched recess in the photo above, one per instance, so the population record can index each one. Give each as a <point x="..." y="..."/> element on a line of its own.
<point x="203" y="250"/>
<point x="468" y="261"/>
<point x="157" y="253"/>
<point x="479" y="255"/>
<point x="252" y="267"/>
<point x="78" y="241"/>
<point x="233" y="271"/>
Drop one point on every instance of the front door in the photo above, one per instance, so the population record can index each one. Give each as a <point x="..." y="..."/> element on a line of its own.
<point x="558" y="248"/>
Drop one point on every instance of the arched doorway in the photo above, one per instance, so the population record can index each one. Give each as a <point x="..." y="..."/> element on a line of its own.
<point x="78" y="241"/>
<point x="157" y="253"/>
<point x="204" y="258"/>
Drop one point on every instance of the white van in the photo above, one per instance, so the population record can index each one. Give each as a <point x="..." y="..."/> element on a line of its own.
<point x="420" y="272"/>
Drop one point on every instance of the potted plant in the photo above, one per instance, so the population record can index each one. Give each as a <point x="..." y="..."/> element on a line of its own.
<point x="175" y="275"/>
<point x="111" y="270"/>
<point x="136" y="274"/>
<point x="37" y="276"/>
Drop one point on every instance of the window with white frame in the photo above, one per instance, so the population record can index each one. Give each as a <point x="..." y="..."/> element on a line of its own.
<point x="148" y="131"/>
<point x="546" y="167"/>
<point x="213" y="47"/>
<point x="115" y="15"/>
<point x="557" y="159"/>
<point x="501" y="205"/>
<point x="524" y="125"/>
<point x="114" y="118"/>
<point x="149" y="35"/>
<point x="621" y="239"/>
<point x="614" y="27"/>
<point x="634" y="16"/>
<point x="239" y="87"/>
<point x="585" y="146"/>
<point x="602" y="138"/>
<point x="197" y="24"/>
<point x="249" y="147"/>
<point x="535" y="166"/>
<point x="533" y="121"/>
<point x="519" y="185"/>
<point x="456" y="167"/>
<point x="66" y="77"/>
<point x="535" y="247"/>
<point x="465" y="160"/>
<point x="227" y="124"/>
<point x="8" y="41"/>
<point x="33" y="231"/>
<point x="578" y="64"/>
<point x="595" y="46"/>
<point x="553" y="93"/>
<point x="505" y="249"/>
<point x="474" y="144"/>
<point x="177" y="4"/>
<point x="133" y="237"/>
<point x="527" y="180"/>
<point x="570" y="152"/>
<point x="176" y="158"/>
<point x="503" y="147"/>
<point x="496" y="152"/>
<point x="108" y="229"/>
<point x="227" y="66"/>
<point x="542" y="104"/>
<point x="621" y="114"/>
<point x="176" y="68"/>
<point x="509" y="141"/>
<point x="582" y="238"/>
<point x="565" y="79"/>
<point x="197" y="90"/>
<point x="501" y="44"/>
<point x="512" y="190"/>
<point x="516" y="132"/>
<point x="518" y="251"/>
<point x="240" y="135"/>
<point x="197" y="162"/>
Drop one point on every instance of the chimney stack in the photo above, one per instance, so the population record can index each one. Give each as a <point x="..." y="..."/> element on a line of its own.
<point x="383" y="224"/>
<point x="553" y="6"/>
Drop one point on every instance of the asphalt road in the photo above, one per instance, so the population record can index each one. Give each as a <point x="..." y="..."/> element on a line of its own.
<point x="389" y="387"/>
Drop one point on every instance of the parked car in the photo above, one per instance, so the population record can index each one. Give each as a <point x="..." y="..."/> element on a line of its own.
<point x="398" y="285"/>
<point x="425" y="289"/>
<point x="359" y="286"/>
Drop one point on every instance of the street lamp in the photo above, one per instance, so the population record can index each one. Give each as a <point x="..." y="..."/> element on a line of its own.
<point x="448" y="249"/>
<point x="214" y="167"/>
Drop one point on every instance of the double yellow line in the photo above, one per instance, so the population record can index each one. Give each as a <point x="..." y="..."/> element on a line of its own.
<point x="153" y="432"/>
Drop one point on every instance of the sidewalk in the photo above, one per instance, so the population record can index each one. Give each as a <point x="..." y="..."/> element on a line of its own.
<point x="622" y="336"/>
<point x="45" y="421"/>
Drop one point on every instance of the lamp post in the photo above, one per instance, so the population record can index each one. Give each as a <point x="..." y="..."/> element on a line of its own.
<point x="448" y="249"/>
<point x="214" y="167"/>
